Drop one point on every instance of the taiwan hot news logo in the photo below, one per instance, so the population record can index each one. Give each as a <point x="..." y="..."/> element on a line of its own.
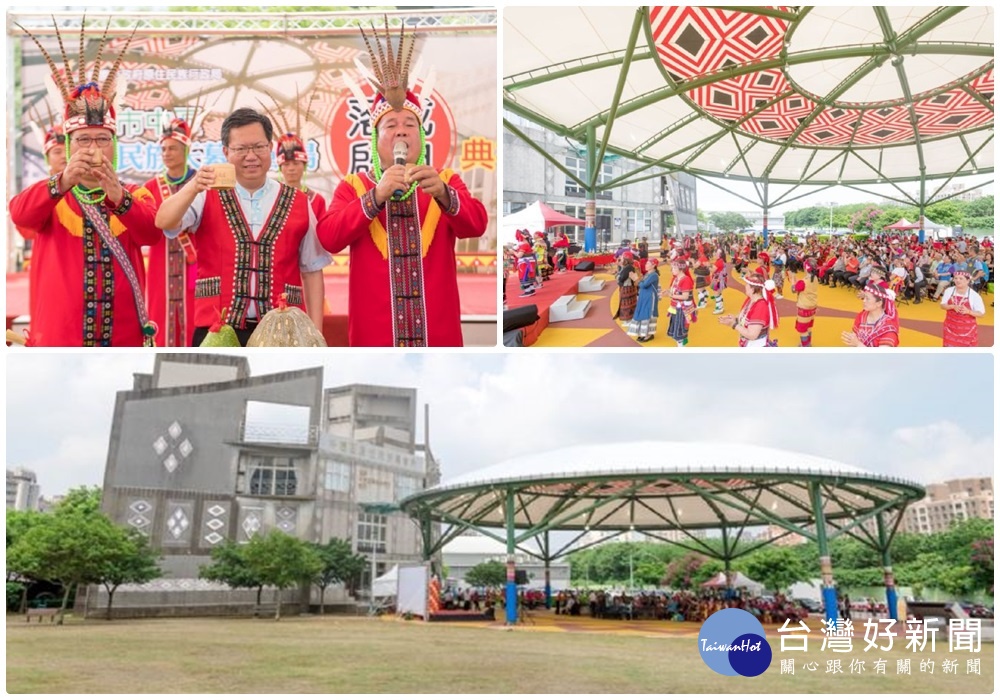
<point x="732" y="643"/>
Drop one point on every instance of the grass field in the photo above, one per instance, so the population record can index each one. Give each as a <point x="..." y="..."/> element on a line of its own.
<point x="340" y="655"/>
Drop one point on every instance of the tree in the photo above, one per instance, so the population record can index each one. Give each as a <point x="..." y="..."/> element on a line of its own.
<point x="487" y="573"/>
<point x="281" y="561"/>
<point x="229" y="566"/>
<point x="865" y="218"/>
<point x="982" y="564"/>
<point x="19" y="522"/>
<point x="135" y="563"/>
<point x="729" y="220"/>
<point x="776" y="567"/>
<point x="85" y="500"/>
<point x="946" y="213"/>
<point x="70" y="548"/>
<point x="340" y="565"/>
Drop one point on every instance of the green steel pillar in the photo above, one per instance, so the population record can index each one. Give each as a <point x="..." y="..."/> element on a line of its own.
<point x="510" y="603"/>
<point x="923" y="203"/>
<point x="727" y="563"/>
<point x="548" y="574"/>
<point x="825" y="566"/>
<point x="427" y="535"/>
<point x="891" y="599"/>
<point x="764" y="202"/>
<point x="590" y="230"/>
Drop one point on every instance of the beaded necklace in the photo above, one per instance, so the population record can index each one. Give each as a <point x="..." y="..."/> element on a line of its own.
<point x="377" y="165"/>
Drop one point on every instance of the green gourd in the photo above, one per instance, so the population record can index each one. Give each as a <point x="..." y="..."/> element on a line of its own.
<point x="221" y="334"/>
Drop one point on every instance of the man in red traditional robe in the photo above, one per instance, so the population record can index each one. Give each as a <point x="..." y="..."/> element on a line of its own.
<point x="401" y="222"/>
<point x="256" y="241"/>
<point x="88" y="230"/>
<point x="292" y="162"/>
<point x="172" y="261"/>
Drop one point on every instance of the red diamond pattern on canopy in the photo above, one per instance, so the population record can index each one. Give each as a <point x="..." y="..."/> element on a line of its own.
<point x="832" y="127"/>
<point x="692" y="42"/>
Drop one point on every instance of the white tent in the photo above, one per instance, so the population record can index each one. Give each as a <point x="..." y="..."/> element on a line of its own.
<point x="385" y="585"/>
<point x="739" y="581"/>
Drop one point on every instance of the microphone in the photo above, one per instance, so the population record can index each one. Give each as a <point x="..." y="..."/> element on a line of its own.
<point x="399" y="153"/>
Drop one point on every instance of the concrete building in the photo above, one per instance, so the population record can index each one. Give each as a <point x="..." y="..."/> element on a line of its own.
<point x="465" y="551"/>
<point x="646" y="208"/>
<point x="958" y="499"/>
<point x="22" y="489"/>
<point x="202" y="452"/>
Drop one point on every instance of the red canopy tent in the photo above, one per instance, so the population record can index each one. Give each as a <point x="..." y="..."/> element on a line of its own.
<point x="536" y="217"/>
<point x="901" y="225"/>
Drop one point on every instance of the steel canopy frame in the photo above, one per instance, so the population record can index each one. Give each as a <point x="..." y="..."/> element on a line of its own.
<point x="816" y="505"/>
<point x="892" y="48"/>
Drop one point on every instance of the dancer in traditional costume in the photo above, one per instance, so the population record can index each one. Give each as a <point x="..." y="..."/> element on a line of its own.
<point x="401" y="222"/>
<point x="643" y="324"/>
<point x="758" y="315"/>
<point x="963" y="306"/>
<point x="877" y="325"/>
<point x="681" y="289"/>
<point x="526" y="268"/>
<point x="628" y="292"/>
<point x="719" y="277"/>
<point x="561" y="246"/>
<point x="808" y="300"/>
<point x="88" y="226"/>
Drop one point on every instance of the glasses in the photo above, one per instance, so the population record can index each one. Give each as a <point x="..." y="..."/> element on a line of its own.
<point x="258" y="150"/>
<point x="88" y="141"/>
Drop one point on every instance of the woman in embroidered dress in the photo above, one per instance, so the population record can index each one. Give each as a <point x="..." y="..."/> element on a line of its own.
<point x="962" y="307"/>
<point x="878" y="323"/>
<point x="681" y="288"/>
<point x="719" y="274"/>
<point x="643" y="324"/>
<point x="758" y="316"/>
<point x="805" y="305"/>
<point x="627" y="290"/>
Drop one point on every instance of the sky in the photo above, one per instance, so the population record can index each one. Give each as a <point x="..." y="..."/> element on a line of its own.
<point x="718" y="199"/>
<point x="922" y="417"/>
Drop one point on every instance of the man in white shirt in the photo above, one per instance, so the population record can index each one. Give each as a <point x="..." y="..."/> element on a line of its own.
<point x="257" y="245"/>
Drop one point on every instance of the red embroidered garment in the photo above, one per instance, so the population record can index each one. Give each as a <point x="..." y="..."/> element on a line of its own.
<point x="413" y="301"/>
<point x="228" y="255"/>
<point x="170" y="279"/>
<point x="82" y="296"/>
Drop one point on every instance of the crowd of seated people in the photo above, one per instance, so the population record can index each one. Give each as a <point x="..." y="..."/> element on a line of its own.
<point x="679" y="606"/>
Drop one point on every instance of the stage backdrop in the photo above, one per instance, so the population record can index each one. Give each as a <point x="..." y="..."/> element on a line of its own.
<point x="169" y="76"/>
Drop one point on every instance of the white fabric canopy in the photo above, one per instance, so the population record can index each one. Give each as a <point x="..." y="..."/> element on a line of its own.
<point x="791" y="95"/>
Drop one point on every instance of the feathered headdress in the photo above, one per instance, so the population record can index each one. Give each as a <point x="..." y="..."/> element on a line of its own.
<point x="49" y="133"/>
<point x="290" y="145"/>
<point x="87" y="103"/>
<point x="180" y="129"/>
<point x="391" y="70"/>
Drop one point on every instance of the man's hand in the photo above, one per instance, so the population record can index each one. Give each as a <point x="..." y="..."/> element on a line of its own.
<point x="77" y="167"/>
<point x="202" y="180"/>
<point x="393" y="180"/>
<point x="429" y="180"/>
<point x="110" y="183"/>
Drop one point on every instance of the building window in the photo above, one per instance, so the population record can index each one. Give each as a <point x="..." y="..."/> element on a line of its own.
<point x="577" y="166"/>
<point x="337" y="476"/>
<point x="407" y="486"/>
<point x="371" y="532"/>
<point x="271" y="476"/>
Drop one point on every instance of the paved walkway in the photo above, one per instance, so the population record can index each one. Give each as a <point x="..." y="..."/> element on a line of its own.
<point x="920" y="324"/>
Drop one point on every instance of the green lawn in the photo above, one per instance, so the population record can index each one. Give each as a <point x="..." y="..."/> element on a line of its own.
<point x="340" y="655"/>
